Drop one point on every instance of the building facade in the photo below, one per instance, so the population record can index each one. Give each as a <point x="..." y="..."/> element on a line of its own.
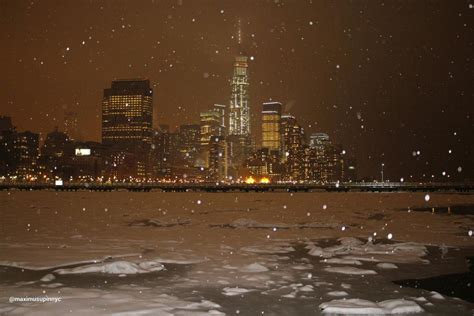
<point x="293" y="147"/>
<point x="27" y="146"/>
<point x="210" y="126"/>
<point x="189" y="143"/>
<point x="271" y="126"/>
<point x="127" y="112"/>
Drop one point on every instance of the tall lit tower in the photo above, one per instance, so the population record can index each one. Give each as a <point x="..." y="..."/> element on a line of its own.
<point x="239" y="110"/>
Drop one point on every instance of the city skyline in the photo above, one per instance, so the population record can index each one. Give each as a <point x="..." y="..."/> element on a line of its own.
<point x="236" y="157"/>
<point x="336" y="77"/>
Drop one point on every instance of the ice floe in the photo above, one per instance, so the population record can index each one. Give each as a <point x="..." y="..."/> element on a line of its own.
<point x="253" y="268"/>
<point x="436" y="295"/>
<point x="116" y="267"/>
<point x="48" y="278"/>
<point x="337" y="293"/>
<point x="385" y="265"/>
<point x="342" y="261"/>
<point x="364" y="307"/>
<point x="349" y="270"/>
<point x="234" y="291"/>
<point x="354" y="249"/>
<point x="180" y="260"/>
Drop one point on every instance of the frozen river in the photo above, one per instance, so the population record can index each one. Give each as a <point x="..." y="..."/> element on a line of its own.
<point x="235" y="253"/>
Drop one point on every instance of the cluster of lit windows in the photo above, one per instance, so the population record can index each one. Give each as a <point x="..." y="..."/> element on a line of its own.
<point x="271" y="131"/>
<point x="127" y="117"/>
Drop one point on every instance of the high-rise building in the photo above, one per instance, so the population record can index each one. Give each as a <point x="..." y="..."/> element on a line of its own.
<point x="57" y="144"/>
<point x="189" y="143"/>
<point x="217" y="158"/>
<point x="271" y="125"/>
<point x="220" y="109"/>
<point x="56" y="150"/>
<point x="295" y="153"/>
<point x="161" y="152"/>
<point x="239" y="110"/>
<point x="293" y="140"/>
<point x="318" y="166"/>
<point x="26" y="145"/>
<point x="8" y="154"/>
<point x="326" y="162"/>
<point x="127" y="112"/>
<point x="287" y="122"/>
<point x="210" y="126"/>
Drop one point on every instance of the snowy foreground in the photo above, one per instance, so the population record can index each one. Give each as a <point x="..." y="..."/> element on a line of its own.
<point x="159" y="253"/>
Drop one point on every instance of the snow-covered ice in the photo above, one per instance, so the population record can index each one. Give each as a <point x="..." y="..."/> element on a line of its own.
<point x="48" y="278"/>
<point x="254" y="268"/>
<point x="233" y="291"/>
<point x="178" y="262"/>
<point x="355" y="250"/>
<point x="342" y="261"/>
<point x="385" y="265"/>
<point x="337" y="293"/>
<point x="117" y="267"/>
<point x="364" y="307"/>
<point x="349" y="270"/>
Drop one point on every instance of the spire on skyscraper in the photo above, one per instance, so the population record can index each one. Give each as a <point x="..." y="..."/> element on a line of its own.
<point x="239" y="32"/>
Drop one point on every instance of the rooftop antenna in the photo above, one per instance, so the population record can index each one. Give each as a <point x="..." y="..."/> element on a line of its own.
<point x="239" y="32"/>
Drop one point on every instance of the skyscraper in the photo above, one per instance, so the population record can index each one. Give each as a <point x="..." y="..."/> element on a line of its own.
<point x="239" y="110"/>
<point x="287" y="122"/>
<point x="189" y="143"/>
<point x="220" y="109"/>
<point x="293" y="136"/>
<point x="27" y="145"/>
<point x="271" y="124"/>
<point x="127" y="112"/>
<point x="325" y="161"/>
<point x="210" y="126"/>
<point x="8" y="154"/>
<point x="217" y="158"/>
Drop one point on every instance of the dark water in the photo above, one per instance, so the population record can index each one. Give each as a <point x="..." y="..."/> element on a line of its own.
<point x="459" y="285"/>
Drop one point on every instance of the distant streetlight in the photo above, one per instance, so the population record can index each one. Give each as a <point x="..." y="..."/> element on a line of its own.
<point x="382" y="171"/>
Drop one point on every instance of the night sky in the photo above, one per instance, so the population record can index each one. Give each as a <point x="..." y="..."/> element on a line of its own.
<point x="384" y="78"/>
